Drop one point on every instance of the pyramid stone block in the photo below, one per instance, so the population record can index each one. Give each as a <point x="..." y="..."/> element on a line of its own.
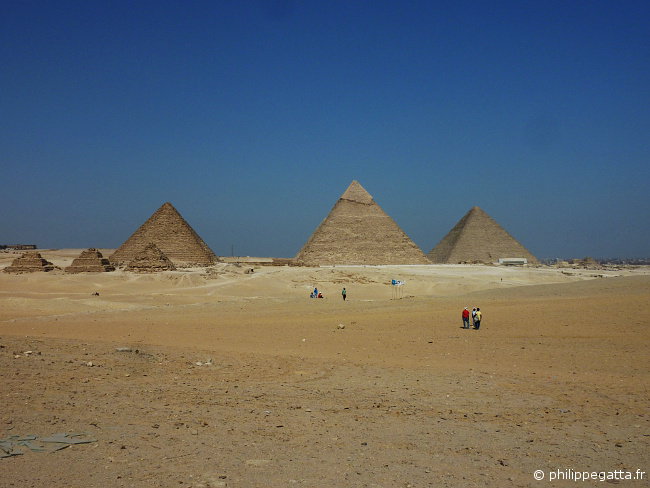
<point x="150" y="260"/>
<point x="90" y="261"/>
<point x="29" y="262"/>
<point x="478" y="238"/>
<point x="358" y="231"/>
<point x="172" y="235"/>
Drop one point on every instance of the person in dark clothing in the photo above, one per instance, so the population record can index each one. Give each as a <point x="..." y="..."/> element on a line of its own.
<point x="477" y="319"/>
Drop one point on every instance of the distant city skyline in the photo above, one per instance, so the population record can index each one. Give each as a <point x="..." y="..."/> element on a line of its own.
<point x="252" y="118"/>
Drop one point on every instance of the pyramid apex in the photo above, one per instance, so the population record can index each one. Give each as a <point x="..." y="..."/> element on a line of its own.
<point x="477" y="212"/>
<point x="168" y="208"/>
<point x="357" y="193"/>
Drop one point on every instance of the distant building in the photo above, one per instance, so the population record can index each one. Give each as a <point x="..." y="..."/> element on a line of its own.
<point x="513" y="261"/>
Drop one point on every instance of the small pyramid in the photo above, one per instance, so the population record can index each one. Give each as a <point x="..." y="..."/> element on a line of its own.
<point x="90" y="261"/>
<point x="29" y="262"/>
<point x="150" y="260"/>
<point x="477" y="237"/>
<point x="358" y="231"/>
<point x="172" y="234"/>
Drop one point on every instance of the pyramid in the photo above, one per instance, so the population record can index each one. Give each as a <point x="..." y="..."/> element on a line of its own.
<point x="90" y="261"/>
<point x="477" y="237"/>
<point x="29" y="262"/>
<point x="358" y="231"/>
<point x="150" y="260"/>
<point x="173" y="236"/>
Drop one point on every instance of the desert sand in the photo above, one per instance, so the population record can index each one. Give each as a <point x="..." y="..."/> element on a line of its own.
<point x="237" y="378"/>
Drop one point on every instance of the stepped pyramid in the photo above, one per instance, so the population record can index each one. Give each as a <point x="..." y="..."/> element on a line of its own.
<point x="90" y="261"/>
<point x="29" y="262"/>
<point x="173" y="236"/>
<point x="477" y="237"/>
<point x="358" y="231"/>
<point x="150" y="260"/>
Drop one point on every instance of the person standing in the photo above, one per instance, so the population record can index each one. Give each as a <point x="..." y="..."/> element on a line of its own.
<point x="466" y="318"/>
<point x="343" y="294"/>
<point x="473" y="316"/>
<point x="477" y="319"/>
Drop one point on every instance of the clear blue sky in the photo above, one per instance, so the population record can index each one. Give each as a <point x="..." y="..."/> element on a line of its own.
<point x="252" y="117"/>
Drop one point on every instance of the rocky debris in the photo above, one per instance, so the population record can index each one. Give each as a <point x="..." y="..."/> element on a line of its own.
<point x="204" y="363"/>
<point x="585" y="263"/>
<point x="29" y="262"/>
<point x="90" y="261"/>
<point x="150" y="260"/>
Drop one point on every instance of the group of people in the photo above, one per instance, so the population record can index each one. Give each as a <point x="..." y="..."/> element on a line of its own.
<point x="318" y="294"/>
<point x="476" y="318"/>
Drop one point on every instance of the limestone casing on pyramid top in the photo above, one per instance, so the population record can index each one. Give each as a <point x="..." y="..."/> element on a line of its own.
<point x="173" y="235"/>
<point x="357" y="193"/>
<point x="478" y="238"/>
<point x="357" y="231"/>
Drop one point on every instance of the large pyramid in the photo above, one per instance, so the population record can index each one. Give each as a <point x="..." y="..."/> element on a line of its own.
<point x="358" y="231"/>
<point x="172" y="235"/>
<point x="477" y="237"/>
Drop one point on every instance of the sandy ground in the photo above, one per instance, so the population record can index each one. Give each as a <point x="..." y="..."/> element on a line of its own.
<point x="557" y="377"/>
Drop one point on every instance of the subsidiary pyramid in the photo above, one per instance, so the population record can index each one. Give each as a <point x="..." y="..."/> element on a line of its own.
<point x="29" y="262"/>
<point x="169" y="231"/>
<point x="150" y="260"/>
<point x="358" y="231"/>
<point x="90" y="261"/>
<point x="477" y="237"/>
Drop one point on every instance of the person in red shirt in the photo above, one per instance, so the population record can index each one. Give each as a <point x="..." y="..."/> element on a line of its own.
<point x="466" y="318"/>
